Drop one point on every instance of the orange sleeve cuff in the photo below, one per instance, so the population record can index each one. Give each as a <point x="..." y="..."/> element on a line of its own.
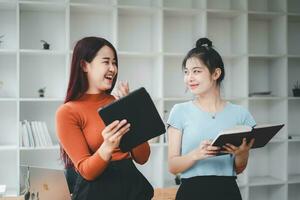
<point x="141" y="153"/>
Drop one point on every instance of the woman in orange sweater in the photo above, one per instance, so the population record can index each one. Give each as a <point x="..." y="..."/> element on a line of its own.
<point x="104" y="172"/>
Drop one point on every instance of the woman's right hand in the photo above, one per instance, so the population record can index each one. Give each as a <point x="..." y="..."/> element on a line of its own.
<point x="204" y="150"/>
<point x="112" y="135"/>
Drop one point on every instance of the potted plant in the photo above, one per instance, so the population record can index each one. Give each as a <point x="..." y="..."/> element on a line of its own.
<point x="46" y="45"/>
<point x="296" y="89"/>
<point x="1" y="36"/>
<point x="41" y="92"/>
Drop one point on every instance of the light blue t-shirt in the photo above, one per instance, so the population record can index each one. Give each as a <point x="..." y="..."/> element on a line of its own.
<point x="197" y="125"/>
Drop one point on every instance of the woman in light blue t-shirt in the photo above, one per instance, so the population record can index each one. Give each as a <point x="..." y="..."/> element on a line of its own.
<point x="193" y="125"/>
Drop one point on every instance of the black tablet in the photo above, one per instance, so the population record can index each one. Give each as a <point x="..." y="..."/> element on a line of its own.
<point x="139" y="110"/>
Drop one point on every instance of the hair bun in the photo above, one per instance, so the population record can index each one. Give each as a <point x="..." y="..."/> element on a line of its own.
<point x="203" y="42"/>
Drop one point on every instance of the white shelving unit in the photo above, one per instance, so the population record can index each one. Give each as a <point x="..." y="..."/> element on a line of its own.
<point x="258" y="40"/>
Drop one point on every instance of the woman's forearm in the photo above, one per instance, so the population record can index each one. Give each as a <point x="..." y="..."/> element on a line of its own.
<point x="241" y="162"/>
<point x="179" y="164"/>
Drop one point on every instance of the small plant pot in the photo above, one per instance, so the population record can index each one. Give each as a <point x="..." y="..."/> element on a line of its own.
<point x="46" y="46"/>
<point x="296" y="92"/>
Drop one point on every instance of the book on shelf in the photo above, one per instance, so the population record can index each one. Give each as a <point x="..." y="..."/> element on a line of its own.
<point x="34" y="134"/>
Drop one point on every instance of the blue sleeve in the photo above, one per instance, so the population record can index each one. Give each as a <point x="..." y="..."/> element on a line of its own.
<point x="175" y="118"/>
<point x="248" y="119"/>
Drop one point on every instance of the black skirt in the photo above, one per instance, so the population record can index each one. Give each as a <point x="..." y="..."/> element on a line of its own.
<point x="209" y="187"/>
<point x="121" y="180"/>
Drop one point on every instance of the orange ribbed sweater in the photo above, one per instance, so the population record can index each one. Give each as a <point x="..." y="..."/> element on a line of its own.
<point x="79" y="128"/>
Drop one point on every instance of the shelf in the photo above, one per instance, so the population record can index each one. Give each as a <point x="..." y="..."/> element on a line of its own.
<point x="293" y="117"/>
<point x="8" y="169"/>
<point x="47" y="148"/>
<point x="8" y="19"/>
<point x="293" y="160"/>
<point x="39" y="20"/>
<point x="93" y="2"/>
<point x="257" y="39"/>
<point x="7" y="5"/>
<point x="271" y="98"/>
<point x="263" y="75"/>
<point x="8" y="76"/>
<point x="7" y="99"/>
<point x="293" y="191"/>
<point x="11" y="192"/>
<point x="277" y="141"/>
<point x="228" y="5"/>
<point x="294" y="56"/>
<point x="234" y="85"/>
<point x="267" y="5"/>
<point x="153" y="174"/>
<point x="44" y="67"/>
<point x="242" y="179"/>
<point x="137" y="10"/>
<point x="272" y="165"/>
<point x="294" y="178"/>
<point x="140" y="3"/>
<point x="293" y="98"/>
<point x="173" y="75"/>
<point x="232" y="39"/>
<point x="167" y="108"/>
<point x="136" y="25"/>
<point x="5" y="52"/>
<point x="181" y="31"/>
<point x="44" y="6"/>
<point x="264" y="180"/>
<point x="37" y="158"/>
<point x="8" y="148"/>
<point x="266" y="56"/>
<point x="267" y="192"/>
<point x="41" y="52"/>
<point x="295" y="137"/>
<point x="82" y="22"/>
<point x="266" y="112"/>
<point x="9" y="124"/>
<point x="266" y="33"/>
<point x="293" y="34"/>
<point x="293" y="74"/>
<point x="89" y="7"/>
<point x="244" y="192"/>
<point x="41" y="99"/>
<point x="130" y="67"/>
<point x="41" y="111"/>
<point x="187" y="4"/>
<point x="264" y="15"/>
<point x="176" y="55"/>
<point x="137" y="54"/>
<point x="293" y="6"/>
<point x="225" y="14"/>
<point x="169" y="179"/>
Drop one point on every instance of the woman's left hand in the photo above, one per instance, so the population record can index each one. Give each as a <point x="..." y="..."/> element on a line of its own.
<point x="121" y="90"/>
<point x="243" y="149"/>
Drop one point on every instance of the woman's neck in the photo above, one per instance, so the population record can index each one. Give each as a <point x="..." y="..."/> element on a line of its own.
<point x="94" y="91"/>
<point x="210" y="101"/>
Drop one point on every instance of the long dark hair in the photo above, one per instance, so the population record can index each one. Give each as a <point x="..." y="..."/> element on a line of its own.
<point x="205" y="52"/>
<point x="84" y="50"/>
